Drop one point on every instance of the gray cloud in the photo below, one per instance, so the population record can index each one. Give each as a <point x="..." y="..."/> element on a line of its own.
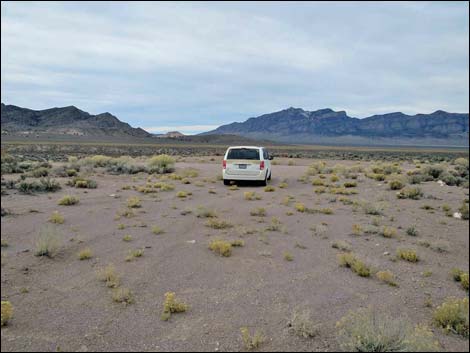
<point x="183" y="64"/>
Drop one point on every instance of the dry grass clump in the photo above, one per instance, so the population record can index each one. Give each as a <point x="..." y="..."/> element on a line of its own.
<point x="269" y="188"/>
<point x="171" y="306"/>
<point x="357" y="266"/>
<point x="357" y="229"/>
<point x="302" y="324"/>
<point x="132" y="254"/>
<point x="56" y="218"/>
<point x="373" y="209"/>
<point x="133" y="202"/>
<point x="123" y="295"/>
<point x="157" y="230"/>
<point x="288" y="256"/>
<point x="452" y="316"/>
<point x="164" y="186"/>
<point x="108" y="274"/>
<point x="127" y="238"/>
<point x="460" y="276"/>
<point x="82" y="183"/>
<point x="275" y="225"/>
<point x="318" y="182"/>
<point x="341" y="245"/>
<point x="85" y="254"/>
<point x="181" y="194"/>
<point x="203" y="212"/>
<point x="386" y="277"/>
<point x="68" y="200"/>
<point x="218" y="224"/>
<point x="408" y="255"/>
<point x="283" y="185"/>
<point x="464" y="211"/>
<point x="237" y="243"/>
<point x="396" y="184"/>
<point x="251" y="342"/>
<point x="300" y="207"/>
<point x="410" y="193"/>
<point x="160" y="164"/>
<point x="389" y="232"/>
<point x="412" y="231"/>
<point x="369" y="330"/>
<point x="251" y="196"/>
<point x="221" y="247"/>
<point x="350" y="184"/>
<point x="48" y="242"/>
<point x="342" y="191"/>
<point x="6" y="312"/>
<point x="258" y="211"/>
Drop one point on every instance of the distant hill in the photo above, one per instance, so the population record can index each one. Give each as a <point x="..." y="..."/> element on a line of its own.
<point x="170" y="134"/>
<point x="64" y="121"/>
<point x="295" y="125"/>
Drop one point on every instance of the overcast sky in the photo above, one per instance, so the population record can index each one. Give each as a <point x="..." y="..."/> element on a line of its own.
<point x="195" y="66"/>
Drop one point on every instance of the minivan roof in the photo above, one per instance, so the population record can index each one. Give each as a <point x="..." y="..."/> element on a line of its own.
<point x="245" y="147"/>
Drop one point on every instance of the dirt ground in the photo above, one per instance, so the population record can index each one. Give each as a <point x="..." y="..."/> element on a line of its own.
<point x="59" y="304"/>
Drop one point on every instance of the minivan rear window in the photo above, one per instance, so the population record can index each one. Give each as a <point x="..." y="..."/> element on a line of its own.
<point x="243" y="153"/>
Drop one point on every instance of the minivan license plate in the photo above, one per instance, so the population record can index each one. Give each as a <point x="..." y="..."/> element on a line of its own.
<point x="242" y="166"/>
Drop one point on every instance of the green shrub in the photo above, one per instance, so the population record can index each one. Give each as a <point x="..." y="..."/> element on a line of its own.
<point x="410" y="193"/>
<point x="302" y="324"/>
<point x="396" y="184"/>
<point x="251" y="342"/>
<point x="85" y="254"/>
<point x="258" y="211"/>
<point x="412" y="231"/>
<point x="123" y="295"/>
<point x="218" y="224"/>
<point x="357" y="266"/>
<point x="108" y="274"/>
<point x="408" y="255"/>
<point x="56" y="217"/>
<point x="133" y="202"/>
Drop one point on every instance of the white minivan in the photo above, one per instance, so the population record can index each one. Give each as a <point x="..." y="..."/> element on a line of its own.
<point x="246" y="163"/>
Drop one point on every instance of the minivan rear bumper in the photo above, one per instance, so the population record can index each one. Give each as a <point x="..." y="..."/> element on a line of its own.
<point x="260" y="176"/>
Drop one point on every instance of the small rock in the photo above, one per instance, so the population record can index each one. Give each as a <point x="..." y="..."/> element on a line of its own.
<point x="191" y="241"/>
<point x="386" y="253"/>
<point x="457" y="215"/>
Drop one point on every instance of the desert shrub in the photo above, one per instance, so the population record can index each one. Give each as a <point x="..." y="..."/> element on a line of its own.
<point x="221" y="247"/>
<point x="44" y="185"/>
<point x="334" y="178"/>
<point x="161" y="164"/>
<point x="412" y="231"/>
<point x="320" y="190"/>
<point x="237" y="243"/>
<point x="460" y="276"/>
<point x="218" y="224"/>
<point x="275" y="225"/>
<point x="108" y="274"/>
<point x="96" y="161"/>
<point x="251" y="196"/>
<point x="82" y="183"/>
<point x="316" y="168"/>
<point x="318" y="182"/>
<point x="357" y="229"/>
<point x="396" y="184"/>
<point x="85" y="254"/>
<point x="164" y="186"/>
<point x="269" y="188"/>
<point x="123" y="295"/>
<point x="171" y="306"/>
<point x="204" y="212"/>
<point x="283" y="185"/>
<point x="302" y="324"/>
<point x="127" y="238"/>
<point x="386" y="277"/>
<point x="258" y="211"/>
<point x="288" y="256"/>
<point x="132" y="254"/>
<point x="48" y="242"/>
<point x="181" y="194"/>
<point x="369" y="330"/>
<point x="342" y="191"/>
<point x="389" y="232"/>
<point x="124" y="165"/>
<point x="357" y="266"/>
<point x="350" y="184"/>
<point x="408" y="255"/>
<point x="56" y="217"/>
<point x="157" y="230"/>
<point x="39" y="172"/>
<point x="434" y="171"/>
<point x="410" y="193"/>
<point x="6" y="312"/>
<point x="376" y="176"/>
<point x="452" y="316"/>
<point x="373" y="209"/>
<point x="251" y="342"/>
<point x="341" y="245"/>
<point x="68" y="200"/>
<point x="133" y="202"/>
<point x="300" y="207"/>
<point x="464" y="210"/>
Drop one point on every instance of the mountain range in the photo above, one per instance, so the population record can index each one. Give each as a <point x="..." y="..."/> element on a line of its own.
<point x="292" y="125"/>
<point x="295" y="125"/>
<point x="65" y="121"/>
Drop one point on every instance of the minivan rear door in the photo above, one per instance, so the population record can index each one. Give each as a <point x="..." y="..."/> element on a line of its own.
<point x="243" y="161"/>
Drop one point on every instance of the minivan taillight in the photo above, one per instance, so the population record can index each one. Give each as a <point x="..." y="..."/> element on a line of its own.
<point x="261" y="165"/>
<point x="224" y="164"/>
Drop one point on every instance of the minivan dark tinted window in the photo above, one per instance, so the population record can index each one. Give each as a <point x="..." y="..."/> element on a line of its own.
<point x="243" y="153"/>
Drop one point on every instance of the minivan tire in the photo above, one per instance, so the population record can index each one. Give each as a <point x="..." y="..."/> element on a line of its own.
<point x="226" y="182"/>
